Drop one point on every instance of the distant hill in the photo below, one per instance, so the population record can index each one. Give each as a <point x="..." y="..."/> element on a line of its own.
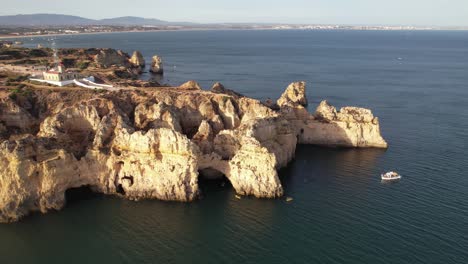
<point x="43" y="19"/>
<point x="129" y="20"/>
<point x="67" y="20"/>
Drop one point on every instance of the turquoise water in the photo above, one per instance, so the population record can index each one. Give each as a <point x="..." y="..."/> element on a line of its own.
<point x="416" y="82"/>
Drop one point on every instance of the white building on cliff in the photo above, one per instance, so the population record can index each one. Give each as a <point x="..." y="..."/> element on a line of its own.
<point x="59" y="76"/>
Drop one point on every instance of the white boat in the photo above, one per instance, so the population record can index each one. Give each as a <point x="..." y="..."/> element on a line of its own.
<point x="390" y="176"/>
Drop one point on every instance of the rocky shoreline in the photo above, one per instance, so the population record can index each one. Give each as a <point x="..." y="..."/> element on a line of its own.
<point x="154" y="143"/>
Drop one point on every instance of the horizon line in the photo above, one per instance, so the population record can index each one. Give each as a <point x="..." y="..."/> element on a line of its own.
<point x="251" y="23"/>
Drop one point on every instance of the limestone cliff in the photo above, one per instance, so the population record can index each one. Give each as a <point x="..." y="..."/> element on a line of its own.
<point x="294" y="94"/>
<point x="111" y="57"/>
<point x="154" y="143"/>
<point x="350" y="127"/>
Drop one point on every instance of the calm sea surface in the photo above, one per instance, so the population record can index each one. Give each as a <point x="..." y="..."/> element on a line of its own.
<point x="416" y="82"/>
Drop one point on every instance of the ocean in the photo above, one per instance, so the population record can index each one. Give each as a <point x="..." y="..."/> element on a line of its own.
<point x="416" y="82"/>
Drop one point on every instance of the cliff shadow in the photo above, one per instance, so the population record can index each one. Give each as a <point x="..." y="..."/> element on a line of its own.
<point x="211" y="180"/>
<point x="322" y="133"/>
<point x="355" y="132"/>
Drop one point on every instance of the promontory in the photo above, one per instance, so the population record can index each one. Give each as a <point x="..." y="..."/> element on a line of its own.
<point x="155" y="142"/>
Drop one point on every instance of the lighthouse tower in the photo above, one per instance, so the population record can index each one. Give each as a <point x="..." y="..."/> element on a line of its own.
<point x="60" y="68"/>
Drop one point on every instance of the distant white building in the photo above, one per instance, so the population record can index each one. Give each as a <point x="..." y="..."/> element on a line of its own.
<point x="59" y="76"/>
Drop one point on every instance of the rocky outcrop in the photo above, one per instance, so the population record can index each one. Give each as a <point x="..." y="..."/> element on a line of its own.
<point x="16" y="119"/>
<point x="294" y="94"/>
<point x="155" y="143"/>
<point x="219" y="88"/>
<point x="111" y="57"/>
<point x="137" y="60"/>
<point x="190" y="85"/>
<point x="349" y="127"/>
<point x="157" y="65"/>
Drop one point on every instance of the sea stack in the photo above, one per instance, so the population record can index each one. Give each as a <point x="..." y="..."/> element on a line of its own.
<point x="137" y="59"/>
<point x="156" y="65"/>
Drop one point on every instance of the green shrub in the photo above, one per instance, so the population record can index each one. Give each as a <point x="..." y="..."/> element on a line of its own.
<point x="83" y="65"/>
<point x="21" y="89"/>
<point x="69" y="63"/>
<point x="18" y="78"/>
<point x="38" y="53"/>
<point x="13" y="53"/>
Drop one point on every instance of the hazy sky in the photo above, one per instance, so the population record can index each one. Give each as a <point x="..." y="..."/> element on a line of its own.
<point x="395" y="12"/>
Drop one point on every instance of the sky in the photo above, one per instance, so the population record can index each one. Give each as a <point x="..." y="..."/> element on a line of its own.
<point x="356" y="12"/>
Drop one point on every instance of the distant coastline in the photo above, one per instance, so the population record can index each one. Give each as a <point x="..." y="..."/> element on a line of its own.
<point x="42" y="24"/>
<point x="89" y="33"/>
<point x="279" y="28"/>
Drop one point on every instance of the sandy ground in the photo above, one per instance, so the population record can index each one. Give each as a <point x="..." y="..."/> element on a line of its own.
<point x="20" y="69"/>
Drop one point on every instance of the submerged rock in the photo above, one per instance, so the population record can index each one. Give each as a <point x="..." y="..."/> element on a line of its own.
<point x="154" y="143"/>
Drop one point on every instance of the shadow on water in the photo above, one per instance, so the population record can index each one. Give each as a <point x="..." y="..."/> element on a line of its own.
<point x="315" y="163"/>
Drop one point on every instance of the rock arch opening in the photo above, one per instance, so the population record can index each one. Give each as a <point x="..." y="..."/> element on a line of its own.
<point x="212" y="180"/>
<point x="79" y="194"/>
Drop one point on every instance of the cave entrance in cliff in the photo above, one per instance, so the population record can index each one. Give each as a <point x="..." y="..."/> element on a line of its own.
<point x="80" y="135"/>
<point x="77" y="195"/>
<point x="212" y="180"/>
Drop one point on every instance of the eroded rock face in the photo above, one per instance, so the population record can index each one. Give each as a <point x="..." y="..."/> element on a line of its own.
<point x="154" y="143"/>
<point x="294" y="94"/>
<point x="350" y="127"/>
<point x="137" y="59"/>
<point x="219" y="88"/>
<point x="190" y="85"/>
<point x="157" y="65"/>
<point x="111" y="57"/>
<point x="15" y="119"/>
